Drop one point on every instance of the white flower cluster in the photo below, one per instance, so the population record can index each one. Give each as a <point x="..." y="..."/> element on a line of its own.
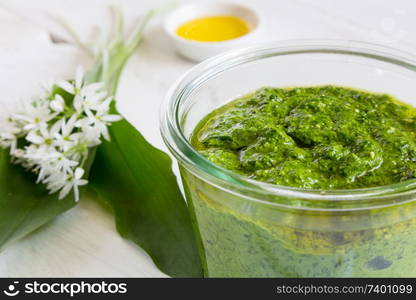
<point x="51" y="136"/>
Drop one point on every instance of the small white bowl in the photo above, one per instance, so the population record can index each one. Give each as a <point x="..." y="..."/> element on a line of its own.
<point x="198" y="51"/>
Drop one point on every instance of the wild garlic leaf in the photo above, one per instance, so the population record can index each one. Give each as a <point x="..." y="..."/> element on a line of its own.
<point x="136" y="181"/>
<point x="24" y="204"/>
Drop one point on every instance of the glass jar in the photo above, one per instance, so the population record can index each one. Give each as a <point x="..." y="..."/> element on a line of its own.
<point x="253" y="229"/>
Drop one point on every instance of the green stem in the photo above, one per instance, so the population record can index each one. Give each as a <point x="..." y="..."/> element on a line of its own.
<point x="111" y="61"/>
<point x="73" y="35"/>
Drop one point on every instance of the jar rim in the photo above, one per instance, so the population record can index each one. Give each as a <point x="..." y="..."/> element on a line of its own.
<point x="225" y="179"/>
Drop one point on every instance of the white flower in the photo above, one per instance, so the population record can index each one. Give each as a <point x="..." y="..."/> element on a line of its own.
<point x="91" y="135"/>
<point x="98" y="121"/>
<point x="40" y="159"/>
<point x="77" y="85"/>
<point x="36" y="154"/>
<point x="36" y="114"/>
<point x="65" y="182"/>
<point x="86" y="97"/>
<point x="59" y="132"/>
<point x="55" y="163"/>
<point x="9" y="130"/>
<point x="57" y="104"/>
<point x="19" y="153"/>
<point x="73" y="181"/>
<point x="89" y="98"/>
<point x="67" y="138"/>
<point x="43" y="136"/>
<point x="62" y="163"/>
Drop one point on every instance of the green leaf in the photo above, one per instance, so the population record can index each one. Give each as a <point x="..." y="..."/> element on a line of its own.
<point x="136" y="181"/>
<point x="24" y="205"/>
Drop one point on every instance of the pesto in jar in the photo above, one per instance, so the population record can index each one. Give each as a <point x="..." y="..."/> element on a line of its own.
<point x="324" y="137"/>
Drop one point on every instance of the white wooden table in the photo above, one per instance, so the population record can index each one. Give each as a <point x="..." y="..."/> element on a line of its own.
<point x="83" y="241"/>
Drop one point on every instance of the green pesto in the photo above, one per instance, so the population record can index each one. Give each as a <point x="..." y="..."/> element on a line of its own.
<point x="324" y="137"/>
